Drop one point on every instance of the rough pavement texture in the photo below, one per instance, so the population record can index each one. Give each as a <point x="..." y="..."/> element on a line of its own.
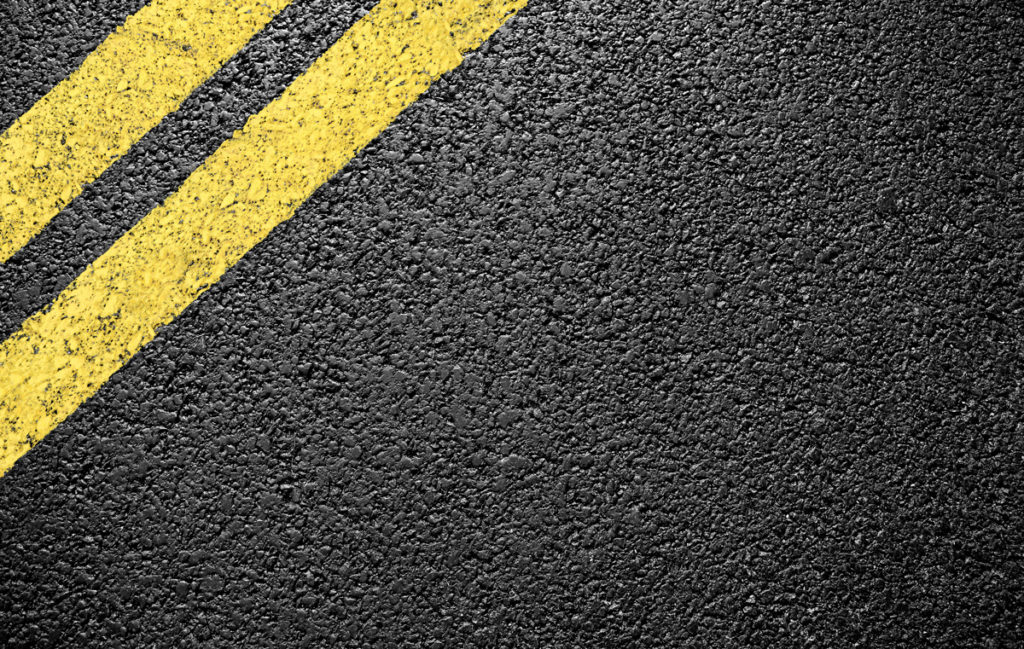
<point x="676" y="325"/>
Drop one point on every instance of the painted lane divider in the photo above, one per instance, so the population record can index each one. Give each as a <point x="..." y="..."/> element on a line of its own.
<point x="253" y="182"/>
<point x="135" y="78"/>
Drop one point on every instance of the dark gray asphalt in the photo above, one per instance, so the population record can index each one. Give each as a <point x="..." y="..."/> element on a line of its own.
<point x="681" y="324"/>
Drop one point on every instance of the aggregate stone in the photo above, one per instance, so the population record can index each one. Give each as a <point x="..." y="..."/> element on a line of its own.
<point x="685" y="324"/>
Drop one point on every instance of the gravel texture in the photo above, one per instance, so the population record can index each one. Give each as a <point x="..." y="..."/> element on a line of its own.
<point x="683" y="324"/>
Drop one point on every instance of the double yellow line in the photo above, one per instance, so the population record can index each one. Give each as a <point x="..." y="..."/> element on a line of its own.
<point x="254" y="181"/>
<point x="136" y="77"/>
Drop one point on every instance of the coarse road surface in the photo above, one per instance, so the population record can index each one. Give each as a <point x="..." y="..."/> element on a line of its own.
<point x="668" y="324"/>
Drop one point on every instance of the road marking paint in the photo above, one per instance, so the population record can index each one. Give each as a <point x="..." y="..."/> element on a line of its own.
<point x="254" y="181"/>
<point x="135" y="78"/>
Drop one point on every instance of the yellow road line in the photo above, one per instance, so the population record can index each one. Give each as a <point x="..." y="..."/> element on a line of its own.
<point x="253" y="182"/>
<point x="138" y="75"/>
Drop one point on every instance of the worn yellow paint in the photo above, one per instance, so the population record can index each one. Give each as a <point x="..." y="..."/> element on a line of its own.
<point x="253" y="182"/>
<point x="138" y="75"/>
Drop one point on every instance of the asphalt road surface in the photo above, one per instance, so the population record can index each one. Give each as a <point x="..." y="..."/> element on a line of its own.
<point x="680" y="324"/>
